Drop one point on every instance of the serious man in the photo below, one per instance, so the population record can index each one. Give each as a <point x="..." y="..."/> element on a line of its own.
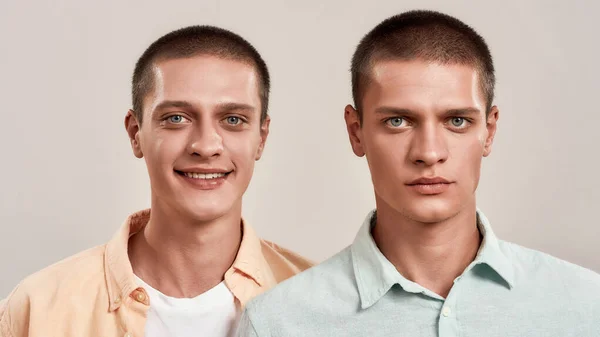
<point x="189" y="264"/>
<point x="426" y="262"/>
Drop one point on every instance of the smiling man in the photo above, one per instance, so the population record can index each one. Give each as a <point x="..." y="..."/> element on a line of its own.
<point x="189" y="264"/>
<point x="426" y="262"/>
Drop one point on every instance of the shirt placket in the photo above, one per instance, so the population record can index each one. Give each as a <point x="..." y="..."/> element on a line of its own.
<point x="447" y="319"/>
<point x="134" y="313"/>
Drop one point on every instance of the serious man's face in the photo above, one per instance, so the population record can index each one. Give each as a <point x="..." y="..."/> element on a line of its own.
<point x="201" y="135"/>
<point x="424" y="133"/>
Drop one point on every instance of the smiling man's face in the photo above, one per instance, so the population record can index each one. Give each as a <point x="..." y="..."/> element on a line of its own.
<point x="201" y="134"/>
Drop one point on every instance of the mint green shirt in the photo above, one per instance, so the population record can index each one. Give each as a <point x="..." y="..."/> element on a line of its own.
<point x="507" y="291"/>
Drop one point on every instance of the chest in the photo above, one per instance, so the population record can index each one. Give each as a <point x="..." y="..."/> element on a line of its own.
<point x="495" y="313"/>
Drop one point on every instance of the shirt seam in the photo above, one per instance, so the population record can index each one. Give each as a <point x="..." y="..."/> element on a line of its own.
<point x="250" y="320"/>
<point x="5" y="322"/>
<point x="6" y="328"/>
<point x="252" y="325"/>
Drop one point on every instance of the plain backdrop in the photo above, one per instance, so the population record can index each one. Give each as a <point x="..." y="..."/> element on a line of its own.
<point x="68" y="178"/>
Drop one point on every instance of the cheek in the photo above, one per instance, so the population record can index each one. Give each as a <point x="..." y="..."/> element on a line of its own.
<point x="483" y="137"/>
<point x="162" y="150"/>
<point x="467" y="158"/>
<point x="385" y="154"/>
<point x="242" y="148"/>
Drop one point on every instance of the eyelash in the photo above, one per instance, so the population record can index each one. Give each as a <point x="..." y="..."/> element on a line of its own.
<point x="404" y="121"/>
<point x="241" y="120"/>
<point x="167" y="119"/>
<point x="467" y="122"/>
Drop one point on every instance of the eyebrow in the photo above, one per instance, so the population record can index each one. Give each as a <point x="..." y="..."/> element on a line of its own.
<point x="384" y="110"/>
<point x="223" y="107"/>
<point x="173" y="104"/>
<point x="407" y="112"/>
<point x="227" y="107"/>
<point x="461" y="112"/>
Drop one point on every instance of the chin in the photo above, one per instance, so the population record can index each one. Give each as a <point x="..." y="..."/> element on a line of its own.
<point x="205" y="215"/>
<point x="429" y="211"/>
<point x="204" y="210"/>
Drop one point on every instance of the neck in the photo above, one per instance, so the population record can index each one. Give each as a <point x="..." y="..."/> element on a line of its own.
<point x="430" y="254"/>
<point x="181" y="257"/>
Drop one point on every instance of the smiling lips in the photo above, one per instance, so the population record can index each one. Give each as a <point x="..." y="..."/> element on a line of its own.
<point x="429" y="186"/>
<point x="204" y="179"/>
<point x="205" y="176"/>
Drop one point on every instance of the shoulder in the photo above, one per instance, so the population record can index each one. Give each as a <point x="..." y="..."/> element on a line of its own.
<point x="60" y="280"/>
<point x="80" y="266"/>
<point x="284" y="262"/>
<point x="313" y="290"/>
<point x="534" y="265"/>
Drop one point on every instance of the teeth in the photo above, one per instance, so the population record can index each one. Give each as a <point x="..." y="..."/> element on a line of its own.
<point x="204" y="175"/>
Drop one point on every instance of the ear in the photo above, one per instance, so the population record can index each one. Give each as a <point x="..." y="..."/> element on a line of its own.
<point x="264" y="133"/>
<point x="354" y="130"/>
<point x="491" y="125"/>
<point x="133" y="130"/>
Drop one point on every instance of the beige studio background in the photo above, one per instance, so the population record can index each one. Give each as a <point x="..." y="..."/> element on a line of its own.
<point x="68" y="178"/>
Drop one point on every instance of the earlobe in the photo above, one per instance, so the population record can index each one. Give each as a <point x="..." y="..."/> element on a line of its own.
<point x="132" y="127"/>
<point x="353" y="126"/>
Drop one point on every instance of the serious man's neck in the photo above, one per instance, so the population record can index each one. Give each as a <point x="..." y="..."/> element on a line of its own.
<point x="182" y="258"/>
<point x="430" y="254"/>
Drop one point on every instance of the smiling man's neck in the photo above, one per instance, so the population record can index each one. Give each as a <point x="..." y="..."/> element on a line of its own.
<point x="185" y="258"/>
<point x="430" y="254"/>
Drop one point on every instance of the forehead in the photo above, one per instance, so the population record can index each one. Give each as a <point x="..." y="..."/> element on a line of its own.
<point x="422" y="86"/>
<point x="204" y="80"/>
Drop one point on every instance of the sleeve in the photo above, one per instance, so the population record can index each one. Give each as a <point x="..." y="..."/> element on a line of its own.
<point x="4" y="326"/>
<point x="14" y="314"/>
<point x="3" y="329"/>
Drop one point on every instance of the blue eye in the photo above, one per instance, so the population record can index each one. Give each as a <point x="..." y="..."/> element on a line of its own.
<point x="458" y="122"/>
<point x="395" y="121"/>
<point x="176" y="119"/>
<point x="233" y="120"/>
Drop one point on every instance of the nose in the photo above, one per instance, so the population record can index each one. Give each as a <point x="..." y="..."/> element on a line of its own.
<point x="205" y="141"/>
<point x="428" y="147"/>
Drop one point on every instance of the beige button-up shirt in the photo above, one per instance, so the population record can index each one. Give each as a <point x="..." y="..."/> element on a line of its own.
<point x="94" y="293"/>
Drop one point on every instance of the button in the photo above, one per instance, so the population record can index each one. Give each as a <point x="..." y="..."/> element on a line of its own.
<point x="140" y="296"/>
<point x="446" y="311"/>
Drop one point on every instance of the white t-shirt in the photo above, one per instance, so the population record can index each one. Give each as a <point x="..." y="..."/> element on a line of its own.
<point x="211" y="314"/>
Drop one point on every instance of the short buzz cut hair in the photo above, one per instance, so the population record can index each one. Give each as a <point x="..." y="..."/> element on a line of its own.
<point x="422" y="35"/>
<point x="197" y="41"/>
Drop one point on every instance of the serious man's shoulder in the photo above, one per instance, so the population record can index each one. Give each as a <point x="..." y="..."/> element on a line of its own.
<point x="545" y="269"/>
<point x="321" y="285"/>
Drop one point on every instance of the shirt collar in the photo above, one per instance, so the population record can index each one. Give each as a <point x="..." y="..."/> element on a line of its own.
<point x="249" y="274"/>
<point x="490" y="252"/>
<point x="375" y="274"/>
